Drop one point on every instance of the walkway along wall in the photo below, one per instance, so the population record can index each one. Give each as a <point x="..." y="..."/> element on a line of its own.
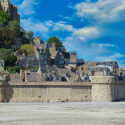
<point x="48" y="91"/>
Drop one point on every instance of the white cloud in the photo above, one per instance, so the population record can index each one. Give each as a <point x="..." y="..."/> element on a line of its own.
<point x="86" y="33"/>
<point x="79" y="36"/>
<point x="27" y="7"/>
<point x="102" y="10"/>
<point x="45" y="27"/>
<point x="36" y="26"/>
<point x="63" y="26"/>
<point x="104" y="45"/>
<point x="114" y="57"/>
<point x="65" y="17"/>
<point x="85" y="50"/>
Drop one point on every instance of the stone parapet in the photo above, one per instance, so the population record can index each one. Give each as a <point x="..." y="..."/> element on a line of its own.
<point x="102" y="79"/>
<point x="50" y="83"/>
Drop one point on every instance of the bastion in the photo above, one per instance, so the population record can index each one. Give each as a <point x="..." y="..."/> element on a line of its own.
<point x="106" y="88"/>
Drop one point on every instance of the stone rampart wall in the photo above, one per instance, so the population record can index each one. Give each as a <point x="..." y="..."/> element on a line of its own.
<point x="48" y="91"/>
<point x="105" y="90"/>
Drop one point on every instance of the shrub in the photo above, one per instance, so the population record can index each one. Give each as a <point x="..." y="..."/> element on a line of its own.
<point x="13" y="69"/>
<point x="34" y="69"/>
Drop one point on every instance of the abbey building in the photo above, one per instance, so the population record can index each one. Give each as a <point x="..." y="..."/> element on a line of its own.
<point x="7" y="6"/>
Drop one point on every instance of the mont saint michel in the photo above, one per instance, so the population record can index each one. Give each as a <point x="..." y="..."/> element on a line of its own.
<point x="61" y="59"/>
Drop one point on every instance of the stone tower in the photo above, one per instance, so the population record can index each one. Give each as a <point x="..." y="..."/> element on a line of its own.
<point x="73" y="57"/>
<point x="7" y="6"/>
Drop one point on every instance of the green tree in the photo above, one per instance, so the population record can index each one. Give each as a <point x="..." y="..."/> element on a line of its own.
<point x="10" y="60"/>
<point x="4" y="52"/>
<point x="14" y="26"/>
<point x="57" y="42"/>
<point x="6" y="37"/>
<point x="26" y="35"/>
<point x="4" y="18"/>
<point x="27" y="48"/>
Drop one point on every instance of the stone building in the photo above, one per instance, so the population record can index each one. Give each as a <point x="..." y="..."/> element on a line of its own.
<point x="113" y="66"/>
<point x="71" y="60"/>
<point x="37" y="40"/>
<point x="7" y="6"/>
<point x="51" y="49"/>
<point x="42" y="56"/>
<point x="101" y="71"/>
<point x="26" y="62"/>
<point x="60" y="60"/>
<point x="73" y="57"/>
<point x="80" y="62"/>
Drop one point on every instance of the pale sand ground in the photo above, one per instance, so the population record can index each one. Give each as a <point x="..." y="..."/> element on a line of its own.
<point x="84" y="113"/>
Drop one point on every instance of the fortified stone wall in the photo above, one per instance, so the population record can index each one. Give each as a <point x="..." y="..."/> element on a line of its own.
<point x="101" y="89"/>
<point x="119" y="90"/>
<point x="105" y="88"/>
<point x="49" y="91"/>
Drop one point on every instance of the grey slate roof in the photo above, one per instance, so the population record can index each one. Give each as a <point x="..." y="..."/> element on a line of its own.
<point x="108" y="63"/>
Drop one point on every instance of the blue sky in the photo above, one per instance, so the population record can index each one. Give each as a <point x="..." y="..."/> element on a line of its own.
<point x="95" y="29"/>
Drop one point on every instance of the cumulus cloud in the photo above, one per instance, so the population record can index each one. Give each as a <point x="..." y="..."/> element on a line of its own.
<point x="101" y="10"/>
<point x="27" y="7"/>
<point x="83" y="34"/>
<point x="63" y="26"/>
<point x="86" y="33"/>
<point x="36" y="26"/>
<point x="98" y="13"/>
<point x="44" y="28"/>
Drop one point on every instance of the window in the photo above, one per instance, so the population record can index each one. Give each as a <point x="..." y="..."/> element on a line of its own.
<point x="42" y="57"/>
